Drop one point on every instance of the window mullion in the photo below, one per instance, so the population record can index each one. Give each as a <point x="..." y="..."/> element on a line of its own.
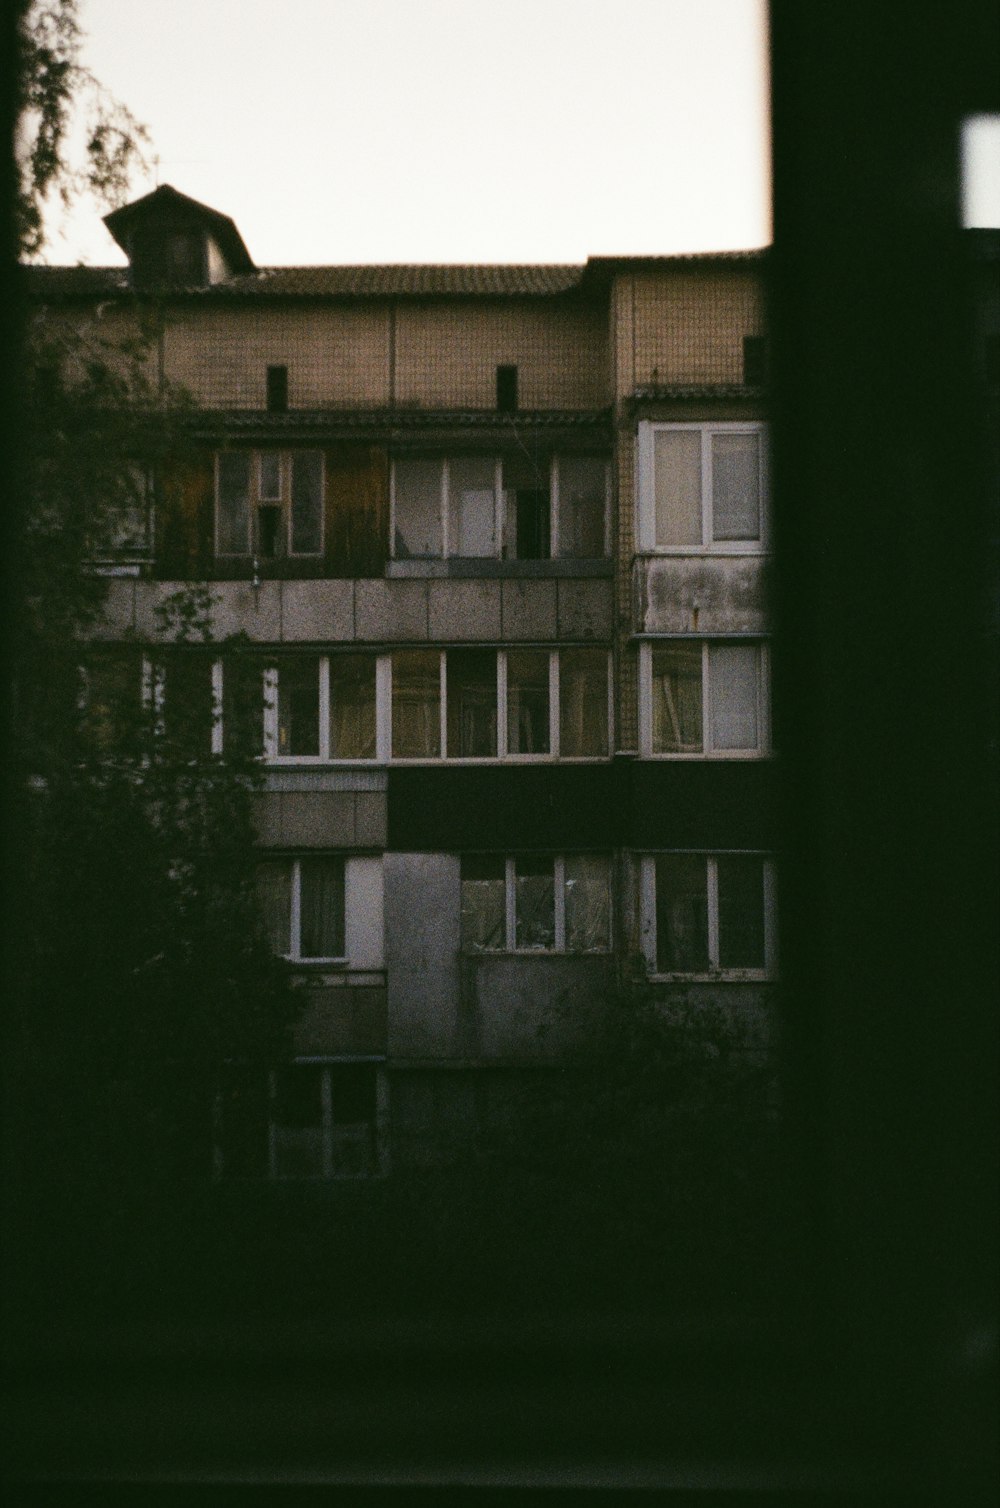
<point x="559" y="885"/>
<point x="499" y="509"/>
<point x="645" y="699"/>
<point x="707" y="535"/>
<point x="554" y="509"/>
<point x="295" y="927"/>
<point x="610" y="680"/>
<point x="392" y="509"/>
<point x="607" y="509"/>
<point x="712" y="879"/>
<point x="501" y="704"/>
<point x="442" y="705"/>
<point x="217" y="729"/>
<point x="647" y="909"/>
<point x="285" y="488"/>
<point x="445" y="499"/>
<point x="509" y="897"/>
<point x="707" y="691"/>
<point x="271" y="713"/>
<point x="554" y="703"/>
<point x="383" y="708"/>
<point x="324" y="707"/>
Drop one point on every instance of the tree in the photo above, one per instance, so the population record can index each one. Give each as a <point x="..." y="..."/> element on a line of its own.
<point x="141" y="962"/>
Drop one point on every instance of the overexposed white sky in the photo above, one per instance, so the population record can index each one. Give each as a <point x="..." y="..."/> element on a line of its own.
<point x="446" y="130"/>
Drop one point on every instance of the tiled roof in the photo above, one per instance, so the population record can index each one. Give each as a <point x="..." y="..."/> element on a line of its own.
<point x="348" y="421"/>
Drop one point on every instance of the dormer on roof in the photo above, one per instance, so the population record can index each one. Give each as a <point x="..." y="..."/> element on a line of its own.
<point x="172" y="241"/>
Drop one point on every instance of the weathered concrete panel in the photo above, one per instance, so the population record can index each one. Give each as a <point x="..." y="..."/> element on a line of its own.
<point x="365" y="918"/>
<point x="422" y="899"/>
<point x="680" y="594"/>
<point x="529" y="610"/>
<point x="240" y="607"/>
<point x="534" y="1007"/>
<point x="585" y="610"/>
<point x="267" y="818"/>
<point x="464" y="609"/>
<point x="119" y="611"/>
<point x="390" y="610"/>
<point x="341" y="1019"/>
<point x="370" y="819"/>
<point x="317" y="610"/>
<point x="719" y="1019"/>
<point x="317" y="819"/>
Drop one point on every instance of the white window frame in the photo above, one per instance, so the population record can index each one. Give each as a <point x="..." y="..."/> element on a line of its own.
<point x="500" y="510"/>
<point x="763" y="749"/>
<point x="645" y="490"/>
<point x="503" y="754"/>
<point x="559" y="936"/>
<point x="271" y="677"/>
<point x="379" y="1130"/>
<point x="284" y="501"/>
<point x="647" y="915"/>
<point x="294" y="956"/>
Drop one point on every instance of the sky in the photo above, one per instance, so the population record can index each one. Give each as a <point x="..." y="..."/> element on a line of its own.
<point x="446" y="130"/>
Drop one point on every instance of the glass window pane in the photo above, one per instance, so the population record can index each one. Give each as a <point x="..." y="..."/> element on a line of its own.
<point x="677" y="478"/>
<point x="307" y="502"/>
<point x="352" y="706"/>
<point x="736" y="486"/>
<point x="741" y="912"/>
<point x="534" y="903"/>
<point x="417" y="509"/>
<point x="528" y="701"/>
<point x="677" y="717"/>
<point x="472" y="703"/>
<point x="681" y="914"/>
<point x="734" y="677"/>
<point x="321" y="908"/>
<point x="234" y="502"/>
<point x="274" y="900"/>
<point x="588" y="904"/>
<point x="243" y="706"/>
<point x="484" y="906"/>
<point x="583" y="703"/>
<point x="298" y="706"/>
<point x="416" y="704"/>
<point x="582" y="488"/>
<point x="270" y="476"/>
<point x="472" y="506"/>
<point x="527" y="507"/>
<point x="188" y="704"/>
<point x="297" y="1122"/>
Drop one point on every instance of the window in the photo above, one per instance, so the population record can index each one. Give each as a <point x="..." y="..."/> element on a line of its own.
<point x="318" y="707"/>
<point x="702" y="486"/>
<point x="703" y="697"/>
<point x="269" y="503"/>
<point x="708" y="914"/>
<point x="500" y="704"/>
<point x="536" y="903"/>
<point x="302" y="1120"/>
<point x="302" y="907"/>
<point x="277" y="390"/>
<point x="477" y="507"/>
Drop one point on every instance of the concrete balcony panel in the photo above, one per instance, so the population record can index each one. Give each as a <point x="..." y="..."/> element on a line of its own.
<point x="422" y="922"/>
<point x="530" y="1008"/>
<point x="461" y="610"/>
<point x="344" y="1018"/>
<point x="529" y="610"/>
<point x="118" y="620"/>
<point x="585" y="610"/>
<point x="370" y="819"/>
<point x="685" y="594"/>
<point x="390" y="611"/>
<point x="317" y="611"/>
<point x="317" y="819"/>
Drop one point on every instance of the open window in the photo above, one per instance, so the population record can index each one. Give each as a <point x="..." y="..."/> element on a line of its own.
<point x="269" y="503"/>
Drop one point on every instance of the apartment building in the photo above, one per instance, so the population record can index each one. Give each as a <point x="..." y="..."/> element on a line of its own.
<point x="495" y="539"/>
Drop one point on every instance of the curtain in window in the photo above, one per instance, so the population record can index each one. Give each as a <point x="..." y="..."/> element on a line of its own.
<point x="736" y="486"/>
<point x="528" y="701"/>
<point x="734" y="676"/>
<point x="417" y="494"/>
<point x="352" y="707"/>
<point x="416" y="705"/>
<point x="588" y="906"/>
<point x="233" y="521"/>
<point x="534" y="903"/>
<point x="472" y="703"/>
<point x="677" y="486"/>
<point x="677" y="721"/>
<point x="321" y="908"/>
<point x="681" y="914"/>
<point x="484" y="906"/>
<point x="741" y="911"/>
<point x="307" y="502"/>
<point x="583" y="703"/>
<point x="298" y="706"/>
<point x="472" y="506"/>
<point x="274" y="899"/>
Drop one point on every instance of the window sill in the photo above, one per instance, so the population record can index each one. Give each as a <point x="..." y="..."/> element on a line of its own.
<point x="486" y="567"/>
<point x="594" y="953"/>
<point x="703" y="552"/>
<point x="719" y="976"/>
